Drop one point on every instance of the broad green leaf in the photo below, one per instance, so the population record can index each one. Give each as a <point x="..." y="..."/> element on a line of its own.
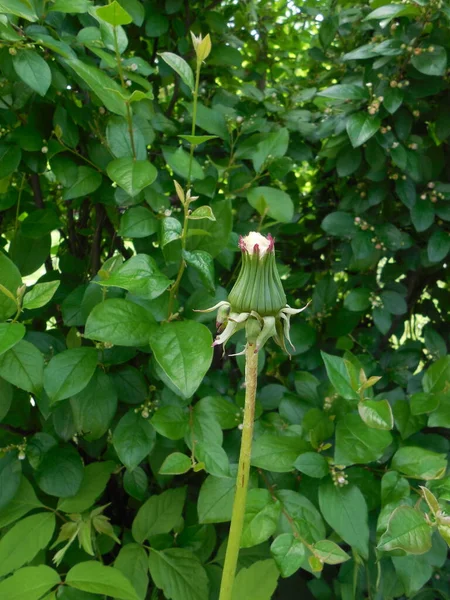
<point x="431" y="63"/>
<point x="203" y="212"/>
<point x="345" y="92"/>
<point x="275" y="203"/>
<point x="138" y="222"/>
<point x="183" y="351"/>
<point x="339" y="373"/>
<point x="358" y="299"/>
<point x="361" y="127"/>
<point x="86" y="183"/>
<point x="11" y="280"/>
<point x="340" y="224"/>
<point x="422" y="215"/>
<point x="196" y="140"/>
<point x="273" y="145"/>
<point x="69" y="372"/>
<point x="215" y="501"/>
<point x="407" y="530"/>
<point x="120" y="322"/>
<point x="377" y="414"/>
<point x="60" y="473"/>
<point x="94" y="577"/>
<point x="171" y="229"/>
<point x="114" y="14"/>
<point x="259" y="581"/>
<point x="288" y="553"/>
<point x="40" y="294"/>
<point x="6" y="396"/>
<point x="39" y="223"/>
<point x="95" y="477"/>
<point x="423" y="403"/>
<point x="179" y="573"/>
<point x="330" y="553"/>
<point x="29" y="583"/>
<point x="392" y="11"/>
<point x="25" y="500"/>
<point x="438" y="246"/>
<point x="171" y="422"/>
<point x="179" y="161"/>
<point x="393" y="99"/>
<point x="306" y="519"/>
<point x="93" y="408"/>
<point x="20" y="8"/>
<point x="261" y="517"/>
<point x="70" y="6"/>
<point x="23" y="366"/>
<point x="10" y="335"/>
<point x="131" y="175"/>
<point x="10" y="156"/>
<point x="118" y="134"/>
<point x="103" y="86"/>
<point x="159" y="514"/>
<point x="393" y="488"/>
<point x="312" y="464"/>
<point x="24" y="540"/>
<point x="29" y="254"/>
<point x="345" y="511"/>
<point x="33" y="70"/>
<point x="203" y="263"/>
<point x="140" y="276"/>
<point x="437" y="376"/>
<point x="214" y="457"/>
<point x="224" y="412"/>
<point x="275" y="453"/>
<point x="132" y="561"/>
<point x="176" y="464"/>
<point x="419" y="463"/>
<point x="135" y="483"/>
<point x="133" y="439"/>
<point x="10" y="476"/>
<point x="180" y="66"/>
<point x="358" y="443"/>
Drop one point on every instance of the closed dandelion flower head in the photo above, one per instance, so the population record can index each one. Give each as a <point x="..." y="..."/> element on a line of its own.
<point x="257" y="300"/>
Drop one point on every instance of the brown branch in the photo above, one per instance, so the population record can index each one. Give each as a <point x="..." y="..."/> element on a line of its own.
<point x="15" y="430"/>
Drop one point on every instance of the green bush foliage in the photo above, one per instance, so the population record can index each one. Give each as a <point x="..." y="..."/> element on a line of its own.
<point x="326" y="125"/>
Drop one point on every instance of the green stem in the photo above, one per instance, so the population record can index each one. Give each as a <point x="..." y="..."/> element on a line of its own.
<point x="237" y="519"/>
<point x="122" y="81"/>
<point x="174" y="288"/>
<point x="194" y="118"/>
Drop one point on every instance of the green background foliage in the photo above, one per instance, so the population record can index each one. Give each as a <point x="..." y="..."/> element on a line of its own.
<point x="325" y="124"/>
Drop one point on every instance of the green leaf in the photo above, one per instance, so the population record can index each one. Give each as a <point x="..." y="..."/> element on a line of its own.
<point x="431" y="63"/>
<point x="118" y="134"/>
<point x="393" y="99"/>
<point x="203" y="212"/>
<point x="103" y="86"/>
<point x="132" y="561"/>
<point x="419" y="463"/>
<point x="345" y="511"/>
<point x="95" y="477"/>
<point x="196" y="140"/>
<point x="339" y="373"/>
<point x="23" y="366"/>
<point x="133" y="439"/>
<point x="215" y="501"/>
<point x="348" y="162"/>
<point x="120" y="322"/>
<point x="203" y="263"/>
<point x="171" y="422"/>
<point x="393" y="488"/>
<point x="25" y="500"/>
<point x="423" y="403"/>
<point x="135" y="483"/>
<point x="340" y="224"/>
<point x="330" y="553"/>
<point x="39" y="223"/>
<point x="392" y="11"/>
<point x="180" y="163"/>
<point x="69" y="372"/>
<point x="138" y="222"/>
<point x="60" y="473"/>
<point x="175" y="464"/>
<point x="259" y="581"/>
<point x="10" y="157"/>
<point x="312" y="464"/>
<point x="32" y="70"/>
<point x="29" y="583"/>
<point x="358" y="443"/>
<point x="422" y="215"/>
<point x="160" y="514"/>
<point x="94" y="577"/>
<point x="40" y="294"/>
<point x="131" y="175"/>
<point x="438" y="246"/>
<point x="11" y="280"/>
<point x="288" y="553"/>
<point x="70" y="6"/>
<point x="10" y="474"/>
<point x="276" y="453"/>
<point x="180" y="66"/>
<point x="24" y="540"/>
<point x="224" y="412"/>
<point x="140" y="276"/>
<point x="273" y="145"/>
<point x="394" y="302"/>
<point x="358" y="299"/>
<point x="93" y="408"/>
<point x="260" y="518"/>
<point x="20" y="8"/>
<point x="179" y="573"/>
<point x="114" y="14"/>
<point x="214" y="458"/>
<point x="10" y="335"/>
<point x="407" y="530"/>
<point x="183" y="351"/>
<point x="86" y="183"/>
<point x="273" y="202"/>
<point x="345" y="92"/>
<point x="437" y="376"/>
<point x="361" y="127"/>
<point x="377" y="414"/>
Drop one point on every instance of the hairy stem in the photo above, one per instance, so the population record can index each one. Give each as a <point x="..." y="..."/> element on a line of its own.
<point x="237" y="519"/>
